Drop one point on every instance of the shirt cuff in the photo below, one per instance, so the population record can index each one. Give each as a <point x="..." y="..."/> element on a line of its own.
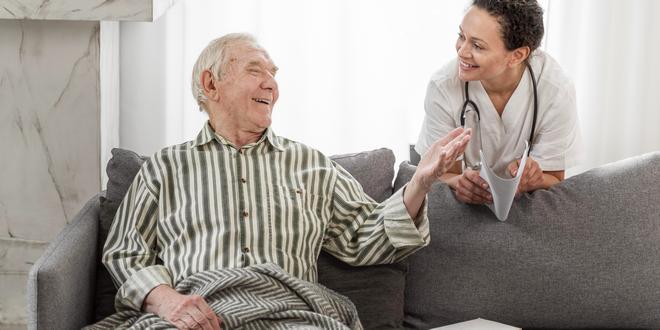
<point x="131" y="294"/>
<point x="400" y="228"/>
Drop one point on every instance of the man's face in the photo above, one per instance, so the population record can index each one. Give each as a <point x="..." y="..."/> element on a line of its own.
<point x="248" y="91"/>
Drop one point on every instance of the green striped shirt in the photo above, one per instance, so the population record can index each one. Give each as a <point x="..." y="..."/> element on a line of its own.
<point x="206" y="205"/>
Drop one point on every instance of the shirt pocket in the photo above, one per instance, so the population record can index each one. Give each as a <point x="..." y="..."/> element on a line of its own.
<point x="295" y="214"/>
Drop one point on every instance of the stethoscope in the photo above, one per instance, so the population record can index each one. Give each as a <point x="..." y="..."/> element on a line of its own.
<point x="469" y="105"/>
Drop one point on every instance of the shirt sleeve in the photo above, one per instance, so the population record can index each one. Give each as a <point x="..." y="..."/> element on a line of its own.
<point x="130" y="252"/>
<point x="438" y="119"/>
<point x="363" y="232"/>
<point x="557" y="143"/>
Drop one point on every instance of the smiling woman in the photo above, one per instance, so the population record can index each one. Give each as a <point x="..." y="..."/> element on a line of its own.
<point x="519" y="94"/>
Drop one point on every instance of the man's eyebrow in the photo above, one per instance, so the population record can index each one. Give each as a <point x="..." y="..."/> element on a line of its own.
<point x="260" y="64"/>
<point x="254" y="63"/>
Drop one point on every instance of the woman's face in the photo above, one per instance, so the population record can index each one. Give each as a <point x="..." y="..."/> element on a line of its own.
<point x="482" y="54"/>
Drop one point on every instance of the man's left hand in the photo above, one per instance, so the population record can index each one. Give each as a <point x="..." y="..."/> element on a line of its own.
<point x="441" y="157"/>
<point x="435" y="162"/>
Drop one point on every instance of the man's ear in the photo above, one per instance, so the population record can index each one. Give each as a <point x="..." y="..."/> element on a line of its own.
<point x="209" y="85"/>
<point x="519" y="55"/>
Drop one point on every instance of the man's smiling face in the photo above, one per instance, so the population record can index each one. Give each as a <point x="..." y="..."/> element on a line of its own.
<point x="248" y="90"/>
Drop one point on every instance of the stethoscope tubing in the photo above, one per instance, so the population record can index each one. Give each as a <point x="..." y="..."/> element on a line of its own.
<point x="470" y="103"/>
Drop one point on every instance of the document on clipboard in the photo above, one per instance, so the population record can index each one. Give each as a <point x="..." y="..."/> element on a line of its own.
<point x="503" y="190"/>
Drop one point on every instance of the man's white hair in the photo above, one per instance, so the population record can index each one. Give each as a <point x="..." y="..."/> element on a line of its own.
<point x="214" y="58"/>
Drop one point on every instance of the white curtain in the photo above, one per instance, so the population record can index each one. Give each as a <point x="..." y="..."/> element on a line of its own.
<point x="353" y="73"/>
<point x="610" y="50"/>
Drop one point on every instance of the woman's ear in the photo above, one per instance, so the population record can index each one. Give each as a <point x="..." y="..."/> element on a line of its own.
<point x="209" y="85"/>
<point x="519" y="55"/>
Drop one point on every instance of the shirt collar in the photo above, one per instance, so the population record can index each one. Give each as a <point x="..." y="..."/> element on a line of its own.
<point x="207" y="134"/>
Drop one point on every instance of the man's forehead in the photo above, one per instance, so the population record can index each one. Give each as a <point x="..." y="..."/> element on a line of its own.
<point x="250" y="55"/>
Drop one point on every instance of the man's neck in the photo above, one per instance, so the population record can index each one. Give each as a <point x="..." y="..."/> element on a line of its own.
<point x="237" y="136"/>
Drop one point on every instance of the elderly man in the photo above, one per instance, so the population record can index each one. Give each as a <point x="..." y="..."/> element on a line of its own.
<point x="239" y="195"/>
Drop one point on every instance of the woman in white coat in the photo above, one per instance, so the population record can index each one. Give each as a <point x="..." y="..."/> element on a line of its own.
<point x="502" y="73"/>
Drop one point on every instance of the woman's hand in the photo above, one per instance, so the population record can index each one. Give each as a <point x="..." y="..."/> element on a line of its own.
<point x="470" y="188"/>
<point x="532" y="175"/>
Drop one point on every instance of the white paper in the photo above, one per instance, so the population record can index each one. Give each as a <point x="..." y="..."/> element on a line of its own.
<point x="503" y="190"/>
<point x="477" y="324"/>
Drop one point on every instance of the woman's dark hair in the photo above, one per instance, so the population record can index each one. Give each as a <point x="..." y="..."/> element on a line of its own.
<point x="521" y="21"/>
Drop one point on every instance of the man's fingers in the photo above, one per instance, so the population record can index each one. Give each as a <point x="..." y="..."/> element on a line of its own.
<point x="452" y="135"/>
<point x="218" y="321"/>
<point x="205" y="312"/>
<point x="180" y="324"/>
<point x="202" y="322"/>
<point x="187" y="321"/>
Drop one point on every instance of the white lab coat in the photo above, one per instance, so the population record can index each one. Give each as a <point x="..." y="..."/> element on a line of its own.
<point x="557" y="137"/>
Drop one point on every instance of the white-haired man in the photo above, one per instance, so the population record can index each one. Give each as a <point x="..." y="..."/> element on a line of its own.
<point x="239" y="195"/>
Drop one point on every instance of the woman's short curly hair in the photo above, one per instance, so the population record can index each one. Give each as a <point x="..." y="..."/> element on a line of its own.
<point x="521" y="21"/>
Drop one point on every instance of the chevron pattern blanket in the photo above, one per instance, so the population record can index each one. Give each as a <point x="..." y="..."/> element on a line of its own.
<point x="256" y="297"/>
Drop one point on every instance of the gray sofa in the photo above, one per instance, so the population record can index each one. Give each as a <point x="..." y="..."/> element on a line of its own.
<point x="584" y="254"/>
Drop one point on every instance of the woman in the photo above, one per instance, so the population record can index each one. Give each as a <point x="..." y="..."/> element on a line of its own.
<point x="498" y="55"/>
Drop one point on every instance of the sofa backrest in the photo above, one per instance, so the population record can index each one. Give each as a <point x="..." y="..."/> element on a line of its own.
<point x="377" y="291"/>
<point x="583" y="254"/>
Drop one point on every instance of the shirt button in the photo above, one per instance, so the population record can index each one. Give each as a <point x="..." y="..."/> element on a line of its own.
<point x="298" y="191"/>
<point x="245" y="213"/>
<point x="243" y="180"/>
<point x="246" y="249"/>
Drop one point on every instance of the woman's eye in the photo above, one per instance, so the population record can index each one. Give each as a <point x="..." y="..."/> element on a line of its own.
<point x="477" y="46"/>
<point x="461" y="37"/>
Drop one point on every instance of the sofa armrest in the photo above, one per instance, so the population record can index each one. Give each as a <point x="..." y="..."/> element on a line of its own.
<point x="60" y="286"/>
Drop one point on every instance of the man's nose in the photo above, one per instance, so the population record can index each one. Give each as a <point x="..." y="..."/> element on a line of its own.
<point x="269" y="83"/>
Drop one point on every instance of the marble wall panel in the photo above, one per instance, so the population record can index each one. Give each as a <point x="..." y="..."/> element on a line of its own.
<point x="49" y="124"/>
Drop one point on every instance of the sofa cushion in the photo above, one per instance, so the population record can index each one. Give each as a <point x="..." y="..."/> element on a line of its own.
<point x="377" y="291"/>
<point x="373" y="169"/>
<point x="122" y="169"/>
<point x="583" y="254"/>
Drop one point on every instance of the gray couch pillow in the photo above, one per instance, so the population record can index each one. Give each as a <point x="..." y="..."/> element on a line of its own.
<point x="377" y="291"/>
<point x="122" y="169"/>
<point x="584" y="254"/>
<point x="373" y="169"/>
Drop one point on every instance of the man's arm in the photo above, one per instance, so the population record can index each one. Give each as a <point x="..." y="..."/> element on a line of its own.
<point x="435" y="163"/>
<point x="362" y="232"/>
<point x="130" y="255"/>
<point x="130" y="252"/>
